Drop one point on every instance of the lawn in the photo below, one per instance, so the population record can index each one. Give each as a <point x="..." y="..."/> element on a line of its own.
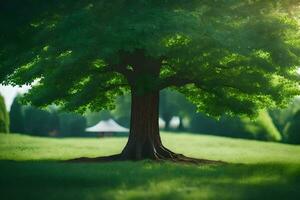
<point x="32" y="168"/>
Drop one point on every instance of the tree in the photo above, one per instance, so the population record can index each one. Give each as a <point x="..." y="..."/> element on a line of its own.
<point x="71" y="124"/>
<point x="262" y="128"/>
<point x="54" y="123"/>
<point x="283" y="117"/>
<point x="16" y="116"/>
<point x="291" y="131"/>
<point x="92" y="118"/>
<point x="227" y="57"/>
<point x="121" y="113"/>
<point x="4" y="119"/>
<point x="37" y="121"/>
<point x="172" y="104"/>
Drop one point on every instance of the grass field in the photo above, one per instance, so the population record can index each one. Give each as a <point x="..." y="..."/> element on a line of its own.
<point x="31" y="168"/>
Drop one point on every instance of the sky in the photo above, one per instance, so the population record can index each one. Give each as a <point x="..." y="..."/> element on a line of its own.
<point x="9" y="93"/>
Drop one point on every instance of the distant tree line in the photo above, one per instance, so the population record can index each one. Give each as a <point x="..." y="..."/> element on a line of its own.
<point x="276" y="125"/>
<point x="45" y="122"/>
<point x="270" y="125"/>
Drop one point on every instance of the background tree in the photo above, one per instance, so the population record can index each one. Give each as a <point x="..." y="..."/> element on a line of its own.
<point x="172" y="104"/>
<point x="71" y="124"/>
<point x="121" y="113"/>
<point x="292" y="130"/>
<point x="4" y="118"/>
<point x="92" y="118"/>
<point x="262" y="128"/>
<point x="227" y="57"/>
<point x="16" y="116"/>
<point x="49" y="121"/>
<point x="54" y="123"/>
<point x="36" y="121"/>
<point x="282" y="117"/>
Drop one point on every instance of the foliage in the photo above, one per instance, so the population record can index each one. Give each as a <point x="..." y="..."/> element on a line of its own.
<point x="37" y="121"/>
<point x="123" y="110"/>
<point x="227" y="57"/>
<point x="225" y="126"/>
<point x="16" y="116"/>
<point x="172" y="104"/>
<point x="71" y="124"/>
<point x="45" y="122"/>
<point x="260" y="128"/>
<point x="4" y="118"/>
<point x="92" y="118"/>
<point x="121" y="113"/>
<point x="54" y="124"/>
<point x="51" y="122"/>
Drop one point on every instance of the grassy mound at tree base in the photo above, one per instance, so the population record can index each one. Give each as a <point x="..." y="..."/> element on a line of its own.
<point x="270" y="170"/>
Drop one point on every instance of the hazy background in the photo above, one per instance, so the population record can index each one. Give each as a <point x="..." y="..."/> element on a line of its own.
<point x="176" y="115"/>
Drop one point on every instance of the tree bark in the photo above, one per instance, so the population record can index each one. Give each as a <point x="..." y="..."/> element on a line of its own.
<point x="144" y="141"/>
<point x="167" y="118"/>
<point x="180" y="127"/>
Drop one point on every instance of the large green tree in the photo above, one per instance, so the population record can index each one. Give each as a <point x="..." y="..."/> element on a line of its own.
<point x="226" y="56"/>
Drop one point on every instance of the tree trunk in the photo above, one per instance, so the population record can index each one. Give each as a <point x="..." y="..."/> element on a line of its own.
<point x="144" y="140"/>
<point x="180" y="127"/>
<point x="167" y="118"/>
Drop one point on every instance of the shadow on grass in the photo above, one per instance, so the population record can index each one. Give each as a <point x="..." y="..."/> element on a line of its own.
<point x="147" y="180"/>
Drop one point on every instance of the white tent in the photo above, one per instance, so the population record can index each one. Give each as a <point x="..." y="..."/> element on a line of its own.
<point x="107" y="126"/>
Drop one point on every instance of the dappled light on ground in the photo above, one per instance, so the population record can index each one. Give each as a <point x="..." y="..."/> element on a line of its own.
<point x="147" y="180"/>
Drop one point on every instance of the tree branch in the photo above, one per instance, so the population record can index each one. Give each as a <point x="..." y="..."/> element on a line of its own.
<point x="114" y="86"/>
<point x="178" y="82"/>
<point x="115" y="68"/>
<point x="124" y="71"/>
<point x="175" y="81"/>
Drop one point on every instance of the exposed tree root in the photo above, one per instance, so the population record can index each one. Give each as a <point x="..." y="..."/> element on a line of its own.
<point x="163" y="155"/>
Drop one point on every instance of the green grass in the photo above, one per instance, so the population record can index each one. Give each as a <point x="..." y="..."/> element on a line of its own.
<point x="258" y="170"/>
